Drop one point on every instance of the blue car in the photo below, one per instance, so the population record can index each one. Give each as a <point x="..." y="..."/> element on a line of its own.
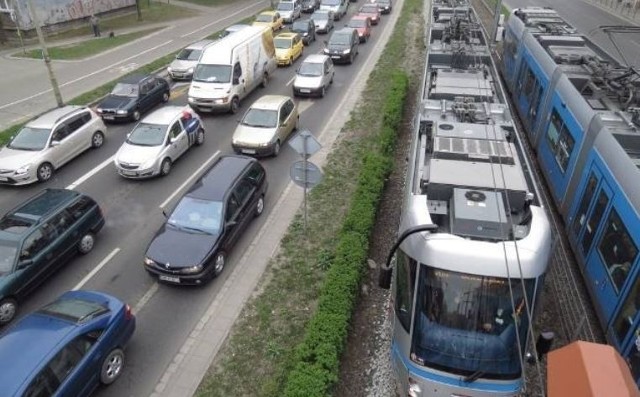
<point x="67" y="348"/>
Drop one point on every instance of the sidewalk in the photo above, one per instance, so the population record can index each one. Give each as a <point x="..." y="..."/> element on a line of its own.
<point x="25" y="86"/>
<point x="623" y="9"/>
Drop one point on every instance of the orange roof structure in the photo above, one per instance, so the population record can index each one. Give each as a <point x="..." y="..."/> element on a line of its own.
<point x="588" y="369"/>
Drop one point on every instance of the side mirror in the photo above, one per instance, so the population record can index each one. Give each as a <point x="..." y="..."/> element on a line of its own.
<point x="128" y="135"/>
<point x="230" y="224"/>
<point x="165" y="214"/>
<point x="173" y="140"/>
<point x="55" y="143"/>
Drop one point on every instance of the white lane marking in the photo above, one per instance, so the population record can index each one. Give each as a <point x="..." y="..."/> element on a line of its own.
<point x="291" y="81"/>
<point x="219" y="20"/>
<point x="96" y="269"/>
<point x="185" y="183"/>
<point x="145" y="298"/>
<point x="90" y="173"/>
<point x="85" y="76"/>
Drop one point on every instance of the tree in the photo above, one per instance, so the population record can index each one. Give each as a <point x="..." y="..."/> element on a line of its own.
<point x="138" y="10"/>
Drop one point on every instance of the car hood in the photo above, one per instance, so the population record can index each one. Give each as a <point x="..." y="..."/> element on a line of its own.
<point x="307" y="81"/>
<point x="11" y="159"/>
<point x="135" y="154"/>
<point x="285" y="14"/>
<point x="328" y="8"/>
<point x="253" y="135"/>
<point x="208" y="90"/>
<point x="116" y="102"/>
<point x="179" y="64"/>
<point x="180" y="248"/>
<point x="321" y="23"/>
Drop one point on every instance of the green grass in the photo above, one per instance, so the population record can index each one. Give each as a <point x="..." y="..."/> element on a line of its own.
<point x="9" y="132"/>
<point x="87" y="48"/>
<point x="261" y="351"/>
<point x="504" y="9"/>
<point x="211" y="3"/>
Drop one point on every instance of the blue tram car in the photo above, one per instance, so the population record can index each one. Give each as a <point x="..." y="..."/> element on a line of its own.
<point x="581" y="112"/>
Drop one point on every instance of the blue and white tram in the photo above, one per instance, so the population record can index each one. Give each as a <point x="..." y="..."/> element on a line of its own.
<point x="581" y="112"/>
<point x="464" y="293"/>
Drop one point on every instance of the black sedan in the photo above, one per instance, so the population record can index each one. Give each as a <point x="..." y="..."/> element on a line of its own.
<point x="310" y="6"/>
<point x="306" y="29"/>
<point x="133" y="96"/>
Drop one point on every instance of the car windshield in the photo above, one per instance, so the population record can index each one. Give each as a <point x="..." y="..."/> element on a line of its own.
<point x="282" y="43"/>
<point x="124" y="89"/>
<point x="330" y="2"/>
<point x="74" y="310"/>
<point x="369" y="9"/>
<point x="467" y="323"/>
<point x="264" y="18"/>
<point x="212" y="73"/>
<point x="30" y="138"/>
<point x="189" y="54"/>
<point x="340" y="39"/>
<point x="285" y="7"/>
<point x="8" y="253"/>
<point x="147" y="135"/>
<point x="197" y="215"/>
<point x="383" y="2"/>
<point x="300" y="26"/>
<point x="357" y="23"/>
<point x="320" y="16"/>
<point x="262" y="118"/>
<point x="310" y="69"/>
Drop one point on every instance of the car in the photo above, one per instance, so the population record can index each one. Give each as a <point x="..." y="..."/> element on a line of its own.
<point x="343" y="45"/>
<point x="314" y="76"/>
<point x="68" y="347"/>
<point x="183" y="66"/>
<point x="38" y="237"/>
<point x="192" y="246"/>
<point x="133" y="96"/>
<point x="385" y="6"/>
<point x="266" y="125"/>
<point x="309" y="6"/>
<point x="371" y="10"/>
<point x="289" y="10"/>
<point x="48" y="142"/>
<point x="232" y="29"/>
<point x="339" y="7"/>
<point x="158" y="141"/>
<point x="362" y="24"/>
<point x="269" y="18"/>
<point x="289" y="47"/>
<point x="306" y="28"/>
<point x="323" y="20"/>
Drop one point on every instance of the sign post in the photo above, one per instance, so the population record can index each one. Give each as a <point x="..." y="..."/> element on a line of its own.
<point x="304" y="173"/>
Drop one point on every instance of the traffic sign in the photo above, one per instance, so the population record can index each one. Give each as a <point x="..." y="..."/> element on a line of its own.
<point x="305" y="143"/>
<point x="313" y="175"/>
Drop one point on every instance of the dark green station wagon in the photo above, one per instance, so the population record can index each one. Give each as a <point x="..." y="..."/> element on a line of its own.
<point x="38" y="237"/>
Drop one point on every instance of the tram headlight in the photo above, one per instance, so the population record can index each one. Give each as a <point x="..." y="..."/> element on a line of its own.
<point x="414" y="389"/>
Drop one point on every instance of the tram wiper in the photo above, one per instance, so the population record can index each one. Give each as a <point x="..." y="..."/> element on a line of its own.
<point x="473" y="377"/>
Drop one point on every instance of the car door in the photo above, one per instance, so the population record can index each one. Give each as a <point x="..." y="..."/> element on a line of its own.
<point x="35" y="260"/>
<point x="328" y="72"/>
<point x="146" y="99"/>
<point x="77" y="138"/>
<point x="245" y="193"/>
<point x="178" y="140"/>
<point x="288" y="119"/>
<point x="232" y="222"/>
<point x="60" y="148"/>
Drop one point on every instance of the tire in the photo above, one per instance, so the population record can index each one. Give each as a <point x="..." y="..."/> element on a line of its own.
<point x="165" y="167"/>
<point x="235" y="105"/>
<point x="332" y="76"/>
<point x="44" y="172"/>
<point x="165" y="97"/>
<point x="135" y="116"/>
<point x="323" y="91"/>
<point x="297" y="126"/>
<point x="290" y="61"/>
<point x="276" y="148"/>
<point x="260" y="206"/>
<point x="8" y="310"/>
<point x="112" y="367"/>
<point x="86" y="243"/>
<point x="265" y="80"/>
<point x="351" y="58"/>
<point x="97" y="139"/>
<point x="219" y="262"/>
<point x="200" y="137"/>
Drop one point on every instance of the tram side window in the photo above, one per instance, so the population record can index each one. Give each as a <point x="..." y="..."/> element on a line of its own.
<point x="405" y="282"/>
<point x="630" y="307"/>
<point x="560" y="140"/>
<point x="581" y="215"/>
<point x="617" y="250"/>
<point x="594" y="221"/>
<point x="529" y="82"/>
<point x="509" y="46"/>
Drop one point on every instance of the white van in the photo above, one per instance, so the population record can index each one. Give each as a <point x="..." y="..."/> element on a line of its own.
<point x="339" y="7"/>
<point x="231" y="68"/>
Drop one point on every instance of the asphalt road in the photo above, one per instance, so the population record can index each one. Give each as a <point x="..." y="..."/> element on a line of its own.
<point x="166" y="314"/>
<point x="587" y="17"/>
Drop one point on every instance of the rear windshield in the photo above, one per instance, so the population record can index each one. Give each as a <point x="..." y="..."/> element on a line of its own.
<point x="370" y="8"/>
<point x="285" y="6"/>
<point x="189" y="54"/>
<point x="300" y="26"/>
<point x="74" y="310"/>
<point x="358" y="23"/>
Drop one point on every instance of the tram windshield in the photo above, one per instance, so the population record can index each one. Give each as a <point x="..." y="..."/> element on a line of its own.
<point x="466" y="324"/>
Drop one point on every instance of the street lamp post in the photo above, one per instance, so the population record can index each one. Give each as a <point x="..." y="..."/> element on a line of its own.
<point x="45" y="55"/>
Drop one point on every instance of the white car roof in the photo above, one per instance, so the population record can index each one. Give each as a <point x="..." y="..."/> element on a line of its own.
<point x="164" y="115"/>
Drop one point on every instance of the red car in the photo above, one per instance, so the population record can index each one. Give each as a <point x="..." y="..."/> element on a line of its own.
<point x="372" y="10"/>
<point x="362" y="24"/>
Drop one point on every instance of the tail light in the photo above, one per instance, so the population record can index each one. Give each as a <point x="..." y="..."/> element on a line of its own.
<point x="128" y="314"/>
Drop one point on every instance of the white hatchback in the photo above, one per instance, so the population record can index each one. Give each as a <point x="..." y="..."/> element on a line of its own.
<point x="314" y="76"/>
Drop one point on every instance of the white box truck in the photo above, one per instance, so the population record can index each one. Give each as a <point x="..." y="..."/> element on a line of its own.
<point x="231" y="68"/>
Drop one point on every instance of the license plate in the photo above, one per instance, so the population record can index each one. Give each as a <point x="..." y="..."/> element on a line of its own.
<point x="109" y="117"/>
<point x="2" y="178"/>
<point x="128" y="173"/>
<point x="248" y="151"/>
<point x="305" y="91"/>
<point x="335" y="56"/>
<point x="169" y="278"/>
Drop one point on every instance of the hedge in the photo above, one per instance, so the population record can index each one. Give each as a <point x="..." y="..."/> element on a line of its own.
<point x="317" y="358"/>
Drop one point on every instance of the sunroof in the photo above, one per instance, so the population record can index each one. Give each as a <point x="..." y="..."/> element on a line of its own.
<point x="74" y="310"/>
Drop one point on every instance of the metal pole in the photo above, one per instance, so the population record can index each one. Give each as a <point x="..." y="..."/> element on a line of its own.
<point x="496" y="20"/>
<point x="304" y="156"/>
<point x="45" y="55"/>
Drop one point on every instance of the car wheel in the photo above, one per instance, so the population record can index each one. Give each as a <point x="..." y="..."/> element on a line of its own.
<point x="8" y="310"/>
<point x="297" y="126"/>
<point x="235" y="105"/>
<point x="332" y="76"/>
<point x="165" y="97"/>
<point x="351" y="58"/>
<point x="136" y="115"/>
<point x="86" y="243"/>
<point x="276" y="148"/>
<point x="97" y="139"/>
<point x="291" y="61"/>
<point x="323" y="91"/>
<point x="265" y="80"/>
<point x="112" y="367"/>
<point x="200" y="137"/>
<point x="165" y="167"/>
<point x="45" y="172"/>
<point x="260" y="206"/>
<point x="219" y="263"/>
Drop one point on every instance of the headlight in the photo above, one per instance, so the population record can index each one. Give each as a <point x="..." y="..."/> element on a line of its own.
<point x="22" y="170"/>
<point x="326" y="50"/>
<point x="192" y="269"/>
<point x="149" y="262"/>
<point x="122" y="111"/>
<point x="191" y="99"/>
<point x="305" y="34"/>
<point x="98" y="110"/>
<point x="222" y="100"/>
<point x="264" y="144"/>
<point x="346" y="51"/>
<point x="190" y="70"/>
<point x="169" y="69"/>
